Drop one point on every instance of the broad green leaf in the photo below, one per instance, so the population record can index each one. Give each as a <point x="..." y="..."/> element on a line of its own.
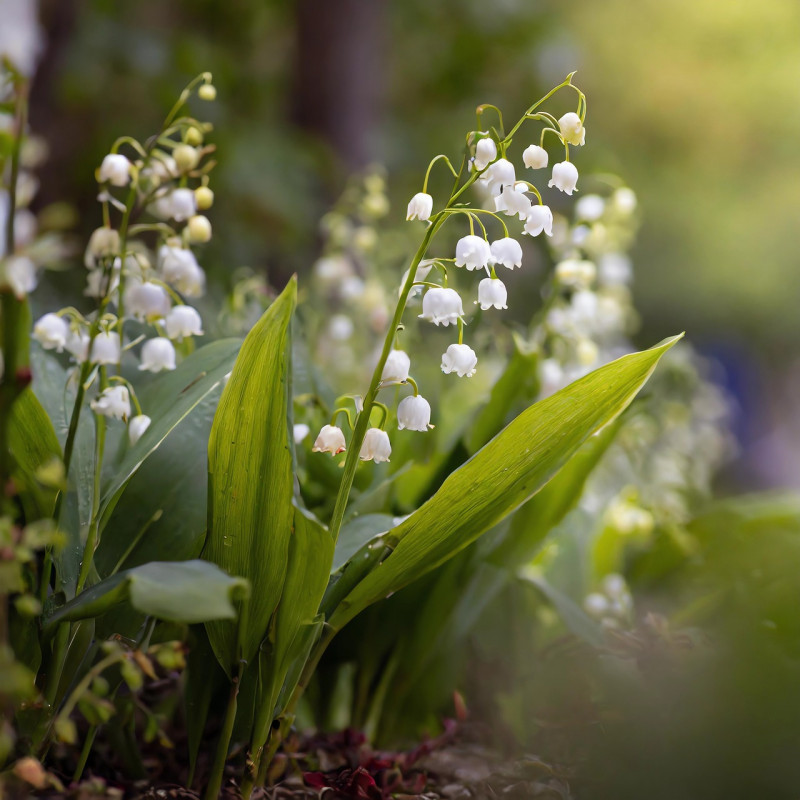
<point x="178" y="591"/>
<point x="501" y="476"/>
<point x="251" y="483"/>
<point x="357" y="532"/>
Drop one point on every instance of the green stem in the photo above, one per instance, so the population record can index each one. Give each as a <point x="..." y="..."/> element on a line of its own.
<point x="218" y="768"/>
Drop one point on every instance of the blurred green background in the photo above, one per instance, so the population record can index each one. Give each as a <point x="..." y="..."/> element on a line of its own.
<point x="692" y="102"/>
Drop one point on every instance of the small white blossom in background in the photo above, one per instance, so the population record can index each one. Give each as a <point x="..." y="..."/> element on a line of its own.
<point x="485" y="153"/>
<point x="472" y="252"/>
<point x="613" y="605"/>
<point x="115" y="169"/>
<point x="299" y="432"/>
<point x="77" y="345"/>
<point x="629" y="518"/>
<point x="397" y="367"/>
<point x="51" y="331"/>
<point x="376" y="446"/>
<point x="330" y="440"/>
<point x="590" y="208"/>
<point x="157" y="354"/>
<point x="103" y="243"/>
<point x="442" y="306"/>
<point x="565" y="177"/>
<point x="137" y="426"/>
<point x="414" y="414"/>
<point x="105" y="348"/>
<point x="507" y="252"/>
<point x="178" y="204"/>
<point x="420" y="207"/>
<point x="21" y="37"/>
<point x="492" y="293"/>
<point x="540" y="219"/>
<point x="19" y="272"/>
<point x="113" y="402"/>
<point x="624" y="200"/>
<point x="572" y="129"/>
<point x="461" y="359"/>
<point x="340" y="327"/>
<point x="575" y="272"/>
<point x="534" y="157"/>
<point x="183" y="321"/>
<point x="147" y="301"/>
<point x="180" y="269"/>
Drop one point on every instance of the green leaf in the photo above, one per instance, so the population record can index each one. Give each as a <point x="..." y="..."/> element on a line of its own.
<point x="251" y="483"/>
<point x="178" y="591"/>
<point x="501" y="476"/>
<point x="357" y="532"/>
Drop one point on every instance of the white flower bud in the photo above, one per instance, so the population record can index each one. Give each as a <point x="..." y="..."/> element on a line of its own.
<point x="300" y="431"/>
<point x="330" y="440"/>
<point x="420" y="207"/>
<point x="514" y="202"/>
<point x="115" y="170"/>
<point x="575" y="272"/>
<point x="534" y="157"/>
<point x="396" y="368"/>
<point x="614" y="585"/>
<point x="596" y="605"/>
<point x="179" y="268"/>
<point x="461" y="359"/>
<point x="113" y="402"/>
<point x="179" y="204"/>
<point x="376" y="446"/>
<point x="186" y="157"/>
<point x="624" y="200"/>
<point x="586" y="352"/>
<point x="51" y="331"/>
<point x="137" y="426"/>
<point x="507" y="252"/>
<point x="485" y="153"/>
<point x="500" y="175"/>
<point x="20" y="275"/>
<point x="158" y="354"/>
<point x="207" y="92"/>
<point x="340" y="328"/>
<point x="194" y="136"/>
<point x="572" y="128"/>
<point x="414" y="413"/>
<point x="105" y="348"/>
<point x="203" y="198"/>
<point x="147" y="301"/>
<point x="472" y="252"/>
<point x="183" y="321"/>
<point x="442" y="307"/>
<point x="539" y="219"/>
<point x="103" y="243"/>
<point x="199" y="229"/>
<point x="565" y="177"/>
<point x="590" y="207"/>
<point x="492" y="293"/>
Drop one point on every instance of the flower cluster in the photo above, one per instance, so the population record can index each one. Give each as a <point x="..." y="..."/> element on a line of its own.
<point x="139" y="289"/>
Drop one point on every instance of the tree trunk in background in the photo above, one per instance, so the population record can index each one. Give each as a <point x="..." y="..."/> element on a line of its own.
<point x="339" y="74"/>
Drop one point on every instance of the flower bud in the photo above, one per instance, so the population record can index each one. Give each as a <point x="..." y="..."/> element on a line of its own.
<point x="442" y="307"/>
<point x="114" y="402"/>
<point x="137" y="426"/>
<point x="207" y="92"/>
<point x="420" y="207"/>
<point x="199" y="229"/>
<point x="492" y="292"/>
<point x="157" y="354"/>
<point x="51" y="332"/>
<point x="194" y="136"/>
<point x="507" y="251"/>
<point x="534" y="157"/>
<point x="472" y="252"/>
<point x="376" y="446"/>
<point x="183" y="321"/>
<point x="565" y="177"/>
<point x="396" y="368"/>
<point x="572" y="129"/>
<point x="461" y="359"/>
<point x="203" y="198"/>
<point x="414" y="413"/>
<point x="485" y="153"/>
<point x="115" y="170"/>
<point x="330" y="440"/>
<point x="186" y="157"/>
<point x="539" y="219"/>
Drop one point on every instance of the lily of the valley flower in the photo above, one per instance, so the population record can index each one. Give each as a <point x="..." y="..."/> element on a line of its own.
<point x="183" y="321"/>
<point x="572" y="129"/>
<point x="157" y="354"/>
<point x="507" y="251"/>
<point x="420" y="207"/>
<point x="565" y="177"/>
<point x="78" y="345"/>
<point x="539" y="219"/>
<point x="179" y="204"/>
<point x="396" y="368"/>
<point x="575" y="272"/>
<point x="472" y="252"/>
<point x="147" y="301"/>
<point x="180" y="269"/>
<point x="492" y="292"/>
<point x="500" y="175"/>
<point x="461" y="359"/>
<point x="514" y="201"/>
<point x="534" y="157"/>
<point x="115" y="170"/>
<point x="199" y="229"/>
<point x="137" y="426"/>
<point x="105" y="348"/>
<point x="20" y="275"/>
<point x="442" y="307"/>
<point x="376" y="446"/>
<point x="485" y="153"/>
<point x="299" y="432"/>
<point x="103" y="243"/>
<point x="329" y="440"/>
<point x="51" y="332"/>
<point x="414" y="413"/>
<point x="113" y="402"/>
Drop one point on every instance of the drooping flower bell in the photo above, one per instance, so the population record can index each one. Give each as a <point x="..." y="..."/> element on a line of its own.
<point x="565" y="177"/>
<point x="540" y="218"/>
<point x="507" y="251"/>
<point x="179" y="204"/>
<point x="115" y="169"/>
<point x="183" y="321"/>
<point x="396" y="368"/>
<point x="514" y="202"/>
<point x="485" y="153"/>
<point x="51" y="331"/>
<point x="105" y="348"/>
<point x="137" y="426"/>
<point x="420" y="207"/>
<point x="329" y="440"/>
<point x="180" y="269"/>
<point x="461" y="359"/>
<point x="157" y="354"/>
<point x="376" y="446"/>
<point x="500" y="175"/>
<point x="103" y="243"/>
<point x="492" y="293"/>
<point x="414" y="413"/>
<point x="147" y="301"/>
<point x="572" y="129"/>
<point x="442" y="307"/>
<point x="534" y="157"/>
<point x="114" y="402"/>
<point x="472" y="252"/>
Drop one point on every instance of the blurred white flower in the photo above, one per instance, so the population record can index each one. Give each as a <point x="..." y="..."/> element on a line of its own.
<point x="442" y="307"/>
<point x="137" y="426"/>
<point x="299" y="432"/>
<point x="20" y="275"/>
<point x="472" y="252"/>
<point x="21" y="38"/>
<point x="158" y="354"/>
<point x="376" y="446"/>
<point x="198" y="229"/>
<point x="147" y="301"/>
<point x="551" y="376"/>
<point x="340" y="327"/>
<point x="78" y="345"/>
<point x="492" y="292"/>
<point x="461" y="359"/>
<point x="186" y="157"/>
<point x="575" y="272"/>
<point x="420" y="207"/>
<point x="330" y="440"/>
<point x="534" y="157"/>
<point x="572" y="128"/>
<point x="596" y="605"/>
<point x="540" y="218"/>
<point x="396" y="367"/>
<point x="51" y="332"/>
<point x="103" y="243"/>
<point x="105" y="348"/>
<point x="183" y="321"/>
<point x="590" y="207"/>
<point x="506" y="251"/>
<point x="414" y="413"/>
<point x="113" y="402"/>
<point x="179" y="204"/>
<point x="624" y="200"/>
<point x="565" y="177"/>
<point x="115" y="170"/>
<point x="180" y="269"/>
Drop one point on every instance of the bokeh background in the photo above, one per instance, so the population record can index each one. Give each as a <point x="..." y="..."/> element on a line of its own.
<point x="693" y="102"/>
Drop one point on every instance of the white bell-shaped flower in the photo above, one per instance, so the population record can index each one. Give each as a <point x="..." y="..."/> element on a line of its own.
<point x="565" y="177"/>
<point x="420" y="207"/>
<point x="158" y="354"/>
<point x="77" y="344"/>
<point x="442" y="307"/>
<point x="115" y="169"/>
<point x="596" y="605"/>
<point x="330" y="440"/>
<point x="51" y="331"/>
<point x="514" y="202"/>
<point x="472" y="252"/>
<point x="492" y="293"/>
<point x="180" y="269"/>
<point x="624" y="200"/>
<point x="179" y="204"/>
<point x="376" y="446"/>
<point x="414" y="413"/>
<point x="590" y="207"/>
<point x="105" y="348"/>
<point x="100" y="284"/>
<point x="147" y="301"/>
<point x="396" y="368"/>
<point x="103" y="243"/>
<point x="20" y="275"/>
<point x="299" y="432"/>
<point x="572" y="128"/>
<point x="500" y="175"/>
<point x="534" y="157"/>
<point x="183" y="321"/>
<point x="137" y="426"/>
<point x="575" y="272"/>
<point x="540" y="218"/>
<point x="461" y="359"/>
<point x="485" y="153"/>
<point x="115" y="402"/>
<point x="507" y="251"/>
